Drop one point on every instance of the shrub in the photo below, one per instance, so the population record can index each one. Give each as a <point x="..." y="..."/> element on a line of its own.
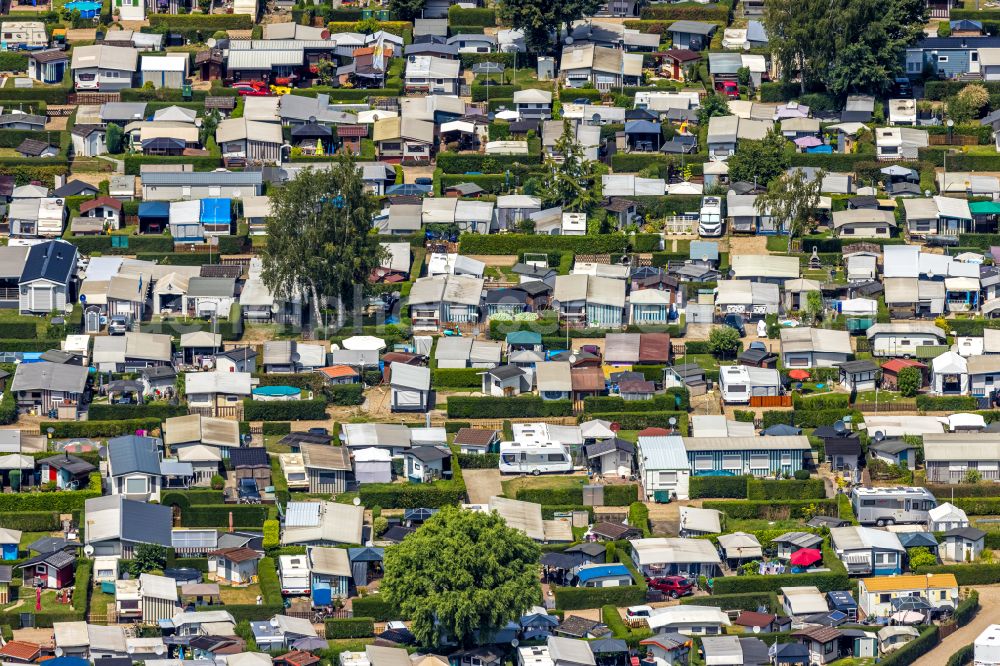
<point x="978" y="506"/>
<point x="641" y="420"/>
<point x="345" y="394"/>
<point x="350" y="627"/>
<point x="728" y="487"/>
<point x="271" y="534"/>
<point x="909" y="380"/>
<point x="979" y="574"/>
<point x="910" y="652"/>
<point x="376" y="607"/>
<point x="773" y="510"/>
<point x="748" y="601"/>
<point x="786" y="489"/>
<point x="478" y="461"/>
<point x="826" y="582"/>
<point x="615" y="243"/>
<point x="21" y="330"/>
<point x="576" y="598"/>
<point x="157" y="410"/>
<point x="277" y="428"/>
<point x="921" y="557"/>
<point x="217" y="482"/>
<point x="967" y="609"/>
<point x="521" y="406"/>
<point x="827" y="401"/>
<point x="962" y="656"/>
<point x="638" y="516"/>
<point x="290" y="410"/>
<point x="456" y="378"/>
<point x="801" y="475"/>
<point x="946" y="403"/>
<point x="98" y="429"/>
<point x="409" y="496"/>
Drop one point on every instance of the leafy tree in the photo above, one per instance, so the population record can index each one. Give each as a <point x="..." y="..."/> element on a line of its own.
<point x="814" y="304"/>
<point x="968" y="104"/>
<point x="113" y="139"/>
<point x="209" y="123"/>
<point x="973" y="476"/>
<point x="368" y="26"/>
<point x="570" y="183"/>
<point x="743" y="76"/>
<point x="847" y="46"/>
<point x="380" y="525"/>
<point x="319" y="236"/>
<point x="713" y="105"/>
<point x="148" y="557"/>
<point x="908" y="381"/>
<point x="759" y="161"/>
<point x="406" y="10"/>
<point x="791" y="200"/>
<point x="921" y="557"/>
<point x="539" y="20"/>
<point x="724" y="342"/>
<point x="461" y="573"/>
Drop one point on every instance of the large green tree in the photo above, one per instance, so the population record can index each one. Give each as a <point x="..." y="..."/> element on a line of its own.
<point x="791" y="200"/>
<point x="570" y="183"/>
<point x="539" y="19"/>
<point x="406" y="10"/>
<point x="713" y="105"/>
<point x="846" y="45"/>
<point x="461" y="574"/>
<point x="759" y="161"/>
<point x="320" y="239"/>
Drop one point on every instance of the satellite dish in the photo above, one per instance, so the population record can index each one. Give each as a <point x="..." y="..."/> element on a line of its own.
<point x="130" y="649"/>
<point x="568" y="40"/>
<point x="88" y="550"/>
<point x="596" y="118"/>
<point x="211" y="42"/>
<point x="294" y="357"/>
<point x="572" y="358"/>
<point x="755" y="630"/>
<point x="878" y="436"/>
<point x="514" y="643"/>
<point x="58" y="652"/>
<point x="274" y="622"/>
<point x="839" y="427"/>
<point x="160" y="649"/>
<point x="312" y="119"/>
<point x="356" y="501"/>
<point x="930" y="273"/>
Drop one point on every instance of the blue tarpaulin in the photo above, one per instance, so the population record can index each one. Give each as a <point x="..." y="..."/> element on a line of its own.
<point x="216" y="211"/>
<point x="154" y="209"/>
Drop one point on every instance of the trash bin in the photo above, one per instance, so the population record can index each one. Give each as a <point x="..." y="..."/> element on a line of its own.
<point x="661" y="496"/>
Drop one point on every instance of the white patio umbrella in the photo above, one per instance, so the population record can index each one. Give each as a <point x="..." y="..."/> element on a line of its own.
<point x="364" y="343"/>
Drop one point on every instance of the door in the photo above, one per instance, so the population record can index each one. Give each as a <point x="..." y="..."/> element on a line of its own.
<point x="974" y="61"/>
<point x="41" y="299"/>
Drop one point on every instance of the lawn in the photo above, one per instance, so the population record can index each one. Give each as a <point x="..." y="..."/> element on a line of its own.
<point x="239" y="595"/>
<point x="49" y="603"/>
<point x="272" y="446"/>
<point x="99" y="600"/>
<point x="551" y="482"/>
<point x="752" y="525"/>
<point x="706" y="361"/>
<point x="883" y="396"/>
<point x="28" y="538"/>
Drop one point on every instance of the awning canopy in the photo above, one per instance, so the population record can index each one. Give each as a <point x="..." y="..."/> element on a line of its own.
<point x="985" y="207"/>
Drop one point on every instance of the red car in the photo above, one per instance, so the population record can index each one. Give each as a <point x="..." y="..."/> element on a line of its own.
<point x="251" y="88"/>
<point x="672" y="586"/>
<point x="728" y="88"/>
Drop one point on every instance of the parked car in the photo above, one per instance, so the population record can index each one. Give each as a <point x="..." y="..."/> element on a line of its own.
<point x="119" y="325"/>
<point x="730" y="89"/>
<point x="735" y="321"/>
<point x="672" y="586"/>
<point x="423" y="180"/>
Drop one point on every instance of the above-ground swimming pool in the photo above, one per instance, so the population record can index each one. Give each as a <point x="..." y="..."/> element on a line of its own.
<point x="277" y="393"/>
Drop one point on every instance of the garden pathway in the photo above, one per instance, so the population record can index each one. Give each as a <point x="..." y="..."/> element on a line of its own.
<point x="989" y="602"/>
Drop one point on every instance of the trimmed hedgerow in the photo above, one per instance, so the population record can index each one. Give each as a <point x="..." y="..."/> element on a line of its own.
<point x="466" y="407"/>
<point x="350" y="627"/>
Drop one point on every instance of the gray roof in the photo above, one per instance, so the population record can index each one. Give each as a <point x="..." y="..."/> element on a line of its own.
<point x="200" y="286"/>
<point x="113" y="517"/>
<point x="179" y="178"/>
<point x="411" y="376"/>
<point x="45" y="376"/>
<point x="693" y="27"/>
<point x="132" y="454"/>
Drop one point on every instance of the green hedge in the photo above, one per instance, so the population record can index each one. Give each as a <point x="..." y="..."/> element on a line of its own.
<point x="748" y="601"/>
<point x="157" y="410"/>
<point x="671" y="400"/>
<point x="133" y="163"/>
<point x="725" y="487"/>
<point x="478" y="461"/>
<point x="350" y="627"/>
<point x="826" y="582"/>
<point x="967" y="609"/>
<point x="825" y="401"/>
<point x="466" y="407"/>
<point x="412" y="496"/>
<point x="456" y="378"/>
<point x="576" y="598"/>
<point x="207" y="22"/>
<point x="63" y="501"/>
<point x="479" y="17"/>
<point x="18" y="345"/>
<point x="962" y="656"/>
<point x="277" y="428"/>
<point x="450" y="162"/>
<point x="785" y="489"/>
<point x="21" y="330"/>
<point x="31" y="521"/>
<point x="215" y="515"/>
<point x="186" y="498"/>
<point x="286" y="410"/>
<point x="375" y="607"/>
<point x="845" y="510"/>
<point x="772" y="509"/>
<point x="98" y="429"/>
<point x="979" y="506"/>
<point x="686" y="11"/>
<point x="642" y="420"/>
<point x="345" y="394"/>
<point x="946" y="403"/>
<point x="980" y="573"/>
<point x="615" y="243"/>
<point x="614" y="495"/>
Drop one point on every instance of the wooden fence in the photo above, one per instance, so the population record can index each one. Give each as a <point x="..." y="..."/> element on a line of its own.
<point x="770" y="401"/>
<point x="886" y="406"/>
<point x="956" y="140"/>
<point x="93" y="97"/>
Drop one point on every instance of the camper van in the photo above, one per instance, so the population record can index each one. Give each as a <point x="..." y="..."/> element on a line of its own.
<point x="888" y="506"/>
<point x="710" y="217"/>
<point x="534" y="458"/>
<point x="293" y="572"/>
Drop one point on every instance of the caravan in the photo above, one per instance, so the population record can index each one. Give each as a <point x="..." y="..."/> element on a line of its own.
<point x="710" y="217"/>
<point x="887" y="506"/>
<point x="534" y="458"/>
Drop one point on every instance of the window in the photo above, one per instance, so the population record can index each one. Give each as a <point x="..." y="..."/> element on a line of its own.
<point x="975" y="56"/>
<point x="885" y="558"/>
<point x="884" y="598"/>
<point x="668" y="478"/>
<point x="732" y="461"/>
<point x="136" y="485"/>
<point x="703" y="461"/>
<point x="760" y="461"/>
<point x="296" y="476"/>
<point x="555" y="457"/>
<point x="786" y="459"/>
<point x="942" y="58"/>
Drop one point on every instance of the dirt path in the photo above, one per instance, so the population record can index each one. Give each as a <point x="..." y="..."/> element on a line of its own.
<point x="989" y="601"/>
<point x="482" y="484"/>
<point x="747" y="245"/>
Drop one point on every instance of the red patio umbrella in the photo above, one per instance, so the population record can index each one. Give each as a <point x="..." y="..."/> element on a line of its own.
<point x="799" y="375"/>
<point x="805" y="557"/>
